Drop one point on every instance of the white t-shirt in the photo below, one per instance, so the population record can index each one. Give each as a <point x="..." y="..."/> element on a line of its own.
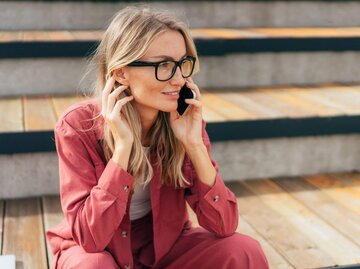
<point x="140" y="204"/>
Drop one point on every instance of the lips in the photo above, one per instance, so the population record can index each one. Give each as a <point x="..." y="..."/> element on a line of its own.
<point x="171" y="93"/>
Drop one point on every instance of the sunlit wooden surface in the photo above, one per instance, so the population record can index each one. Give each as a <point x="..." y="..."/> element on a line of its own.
<point x="40" y="113"/>
<point x="302" y="222"/>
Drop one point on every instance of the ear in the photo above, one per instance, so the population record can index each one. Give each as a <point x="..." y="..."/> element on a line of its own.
<point x="121" y="76"/>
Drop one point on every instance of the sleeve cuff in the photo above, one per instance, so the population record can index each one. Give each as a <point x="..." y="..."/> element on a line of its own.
<point x="116" y="180"/>
<point x="215" y="195"/>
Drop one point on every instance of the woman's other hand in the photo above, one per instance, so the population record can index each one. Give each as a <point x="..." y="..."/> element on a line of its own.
<point x="113" y="116"/>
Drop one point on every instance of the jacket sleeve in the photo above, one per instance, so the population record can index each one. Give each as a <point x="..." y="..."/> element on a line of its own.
<point x="94" y="206"/>
<point x="216" y="206"/>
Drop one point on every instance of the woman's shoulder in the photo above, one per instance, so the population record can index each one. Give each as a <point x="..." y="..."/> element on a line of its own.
<point x="81" y="115"/>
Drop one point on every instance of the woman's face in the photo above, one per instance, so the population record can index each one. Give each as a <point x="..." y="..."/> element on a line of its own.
<point x="151" y="95"/>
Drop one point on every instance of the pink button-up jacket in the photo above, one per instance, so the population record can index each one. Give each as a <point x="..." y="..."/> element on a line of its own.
<point x="95" y="195"/>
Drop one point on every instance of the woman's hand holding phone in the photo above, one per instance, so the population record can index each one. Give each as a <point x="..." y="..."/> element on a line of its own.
<point x="111" y="112"/>
<point x="188" y="126"/>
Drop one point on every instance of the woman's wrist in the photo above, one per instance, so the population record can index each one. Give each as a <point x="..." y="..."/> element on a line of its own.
<point x="194" y="149"/>
<point x="121" y="156"/>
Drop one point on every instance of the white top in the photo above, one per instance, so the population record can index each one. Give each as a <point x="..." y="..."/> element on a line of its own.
<point x="140" y="204"/>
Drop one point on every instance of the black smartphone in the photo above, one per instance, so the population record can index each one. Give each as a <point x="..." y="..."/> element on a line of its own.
<point x="185" y="93"/>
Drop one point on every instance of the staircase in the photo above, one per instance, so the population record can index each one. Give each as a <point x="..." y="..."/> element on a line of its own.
<point x="279" y="79"/>
<point x="281" y="88"/>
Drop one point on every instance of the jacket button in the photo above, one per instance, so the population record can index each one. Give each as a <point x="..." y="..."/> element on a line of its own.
<point x="126" y="188"/>
<point x="216" y="198"/>
<point x="127" y="266"/>
<point x="124" y="233"/>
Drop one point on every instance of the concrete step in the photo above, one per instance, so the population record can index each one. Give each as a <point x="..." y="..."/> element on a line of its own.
<point x="21" y="15"/>
<point x="238" y="160"/>
<point x="256" y="133"/>
<point x="38" y="62"/>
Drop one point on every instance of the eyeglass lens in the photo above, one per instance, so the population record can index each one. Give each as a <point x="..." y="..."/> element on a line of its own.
<point x="167" y="69"/>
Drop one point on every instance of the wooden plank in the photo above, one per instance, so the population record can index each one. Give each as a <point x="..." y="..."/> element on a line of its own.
<point x="338" y="190"/>
<point x="61" y="103"/>
<point x="354" y="87"/>
<point x="53" y="215"/>
<point x="319" y="95"/>
<point x="1" y="224"/>
<point x="11" y="36"/>
<point x="60" y="36"/>
<point x="311" y="226"/>
<point x="341" y="218"/>
<point x="308" y="32"/>
<point x="211" y="116"/>
<point x="344" y="96"/>
<point x="223" y="33"/>
<point x="229" y="110"/>
<point x="11" y="115"/>
<point x="86" y="35"/>
<point x="36" y="36"/>
<point x="286" y="105"/>
<point x="320" y="109"/>
<point x="351" y="180"/>
<point x="257" y="110"/>
<point x="274" y="258"/>
<point x="299" y="250"/>
<point x="39" y="114"/>
<point x="310" y="107"/>
<point x="23" y="233"/>
<point x="282" y="109"/>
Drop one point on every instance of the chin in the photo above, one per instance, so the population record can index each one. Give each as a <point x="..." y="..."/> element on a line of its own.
<point x="168" y="108"/>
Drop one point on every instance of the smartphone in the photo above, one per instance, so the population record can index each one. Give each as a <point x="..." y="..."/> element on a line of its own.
<point x="185" y="93"/>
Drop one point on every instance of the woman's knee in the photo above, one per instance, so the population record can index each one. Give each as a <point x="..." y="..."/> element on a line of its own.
<point x="242" y="247"/>
<point x="245" y="242"/>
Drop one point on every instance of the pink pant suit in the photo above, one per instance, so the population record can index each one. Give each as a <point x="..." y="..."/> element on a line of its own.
<point x="95" y="198"/>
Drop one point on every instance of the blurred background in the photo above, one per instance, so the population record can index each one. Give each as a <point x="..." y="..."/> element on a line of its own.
<point x="281" y="93"/>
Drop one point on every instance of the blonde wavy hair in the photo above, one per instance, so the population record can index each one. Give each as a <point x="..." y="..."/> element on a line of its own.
<point x="127" y="39"/>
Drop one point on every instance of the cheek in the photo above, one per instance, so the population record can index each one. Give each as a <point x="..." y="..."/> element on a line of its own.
<point x="146" y="96"/>
<point x="146" y="92"/>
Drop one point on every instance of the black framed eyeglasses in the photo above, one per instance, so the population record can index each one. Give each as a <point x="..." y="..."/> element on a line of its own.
<point x="166" y="69"/>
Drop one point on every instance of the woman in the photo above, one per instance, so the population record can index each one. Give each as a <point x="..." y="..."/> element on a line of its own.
<point x="128" y="161"/>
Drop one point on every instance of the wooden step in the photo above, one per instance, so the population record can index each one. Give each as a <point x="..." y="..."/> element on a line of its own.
<point x="230" y="114"/>
<point x="209" y="41"/>
<point x="321" y="226"/>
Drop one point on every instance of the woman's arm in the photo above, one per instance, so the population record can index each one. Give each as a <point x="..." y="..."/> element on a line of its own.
<point x="94" y="207"/>
<point x="202" y="163"/>
<point x="214" y="204"/>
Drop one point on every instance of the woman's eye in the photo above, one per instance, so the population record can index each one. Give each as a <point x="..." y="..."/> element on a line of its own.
<point x="165" y="65"/>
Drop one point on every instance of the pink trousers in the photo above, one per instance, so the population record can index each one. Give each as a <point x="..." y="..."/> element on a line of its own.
<point x="195" y="248"/>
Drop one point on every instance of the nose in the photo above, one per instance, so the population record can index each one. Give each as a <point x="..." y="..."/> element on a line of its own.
<point x="177" y="79"/>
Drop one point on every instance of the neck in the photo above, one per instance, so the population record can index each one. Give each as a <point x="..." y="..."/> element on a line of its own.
<point x="148" y="118"/>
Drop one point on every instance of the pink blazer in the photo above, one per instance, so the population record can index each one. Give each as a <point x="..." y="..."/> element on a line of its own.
<point x="95" y="195"/>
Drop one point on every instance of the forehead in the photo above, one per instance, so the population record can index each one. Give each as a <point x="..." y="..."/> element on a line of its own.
<point x="170" y="43"/>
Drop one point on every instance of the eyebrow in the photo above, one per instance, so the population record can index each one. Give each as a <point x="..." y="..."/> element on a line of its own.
<point x="166" y="57"/>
